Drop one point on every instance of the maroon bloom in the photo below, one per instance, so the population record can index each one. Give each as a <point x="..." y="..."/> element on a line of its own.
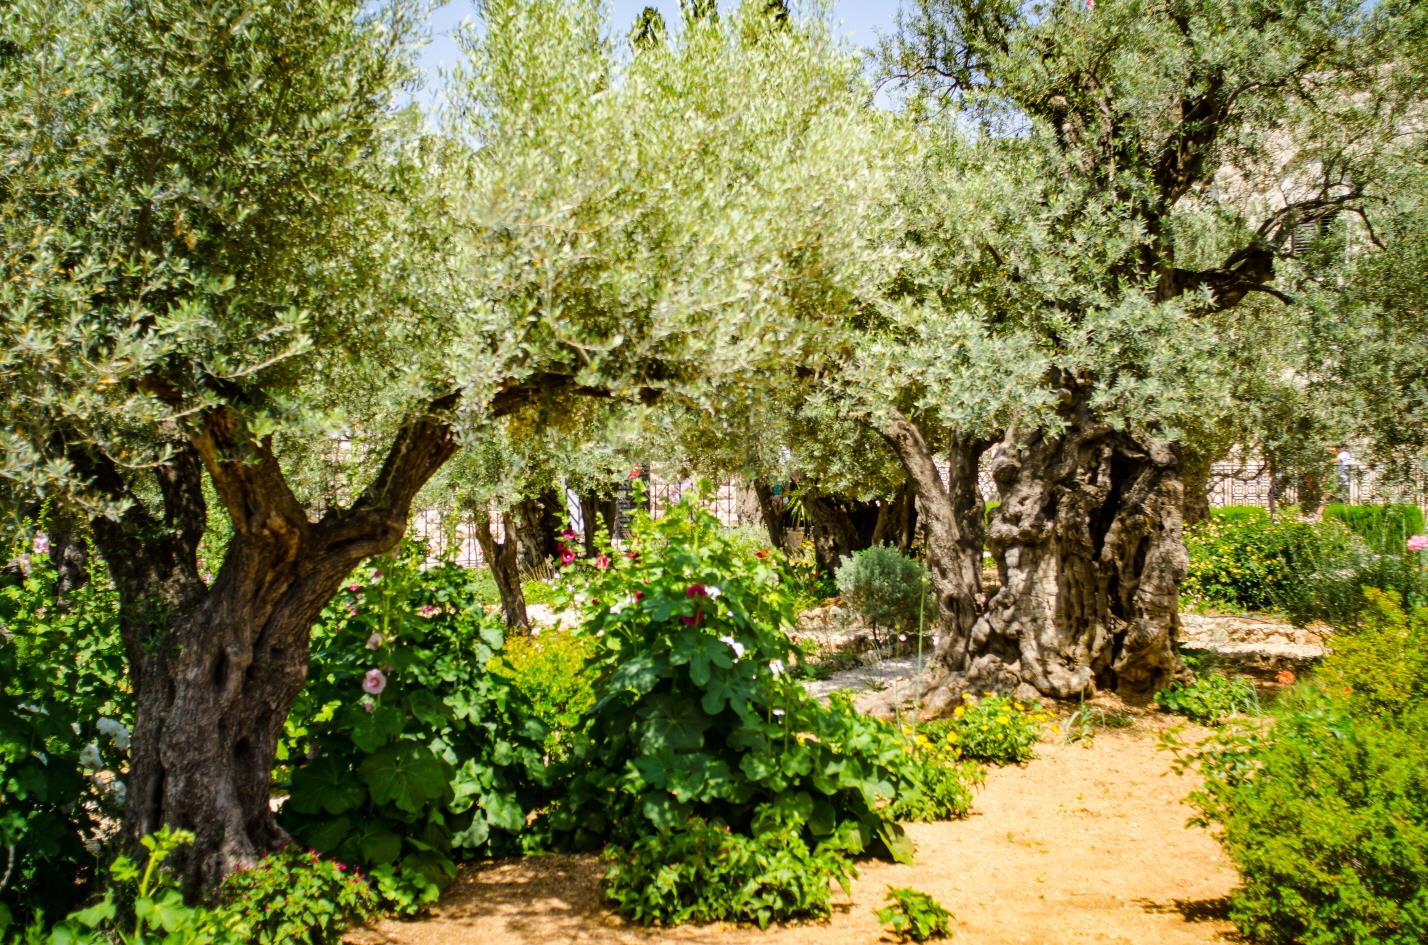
<point x="695" y="590"/>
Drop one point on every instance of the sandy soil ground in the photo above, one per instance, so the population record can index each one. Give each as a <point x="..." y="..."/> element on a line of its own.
<point x="1083" y="845"/>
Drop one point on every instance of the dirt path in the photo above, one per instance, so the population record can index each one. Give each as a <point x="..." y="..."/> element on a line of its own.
<point x="1082" y="846"/>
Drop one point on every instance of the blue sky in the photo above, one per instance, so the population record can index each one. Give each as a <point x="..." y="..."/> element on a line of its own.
<point x="859" y="20"/>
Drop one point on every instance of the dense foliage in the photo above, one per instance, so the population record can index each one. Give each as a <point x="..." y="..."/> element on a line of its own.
<point x="65" y="715"/>
<point x="705" y="872"/>
<point x="410" y="748"/>
<point x="1247" y="559"/>
<point x="697" y="726"/>
<point x="884" y="586"/>
<point x="992" y="728"/>
<point x="1210" y="698"/>
<point x="1325" y="814"/>
<point x="1386" y="528"/>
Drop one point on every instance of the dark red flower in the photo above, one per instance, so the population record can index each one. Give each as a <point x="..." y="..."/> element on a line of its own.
<point x="695" y="590"/>
<point x="761" y="553"/>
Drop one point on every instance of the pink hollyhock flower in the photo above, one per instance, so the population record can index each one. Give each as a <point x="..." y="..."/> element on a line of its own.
<point x="374" y="682"/>
<point x="354" y="588"/>
<point x="374" y="641"/>
<point x="1418" y="543"/>
<point x="639" y="596"/>
<point x="602" y="562"/>
<point x="369" y="707"/>
<point x="376" y="575"/>
<point x="695" y="590"/>
<point x="635" y="473"/>
<point x="567" y="556"/>
<point x="632" y="555"/>
<point x="569" y="535"/>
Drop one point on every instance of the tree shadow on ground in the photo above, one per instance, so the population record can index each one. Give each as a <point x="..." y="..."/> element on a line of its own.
<point x="1197" y="910"/>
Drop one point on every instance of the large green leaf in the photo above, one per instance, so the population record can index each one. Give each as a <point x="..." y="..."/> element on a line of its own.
<point x="372" y="730"/>
<point x="326" y="785"/>
<point x="406" y="775"/>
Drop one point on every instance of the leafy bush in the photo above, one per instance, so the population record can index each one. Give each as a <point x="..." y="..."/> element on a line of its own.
<point x="885" y="587"/>
<point x="703" y="872"/>
<point x="1208" y="699"/>
<point x="938" y="783"/>
<point x="549" y="670"/>
<point x="1326" y="814"/>
<point x="914" y="916"/>
<point x="154" y="909"/>
<point x="1251" y="560"/>
<point x="1307" y="571"/>
<point x="698" y="718"/>
<point x="297" y="897"/>
<point x="64" y="705"/>
<point x="1386" y="528"/>
<point x="409" y="752"/>
<point x="994" y="729"/>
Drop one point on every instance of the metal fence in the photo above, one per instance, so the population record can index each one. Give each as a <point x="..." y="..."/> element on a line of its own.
<point x="452" y="534"/>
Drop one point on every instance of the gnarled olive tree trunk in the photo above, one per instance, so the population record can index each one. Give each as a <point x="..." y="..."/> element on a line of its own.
<point x="215" y="669"/>
<point x="1088" y="544"/>
<point x="504" y="562"/>
<point x="537" y="522"/>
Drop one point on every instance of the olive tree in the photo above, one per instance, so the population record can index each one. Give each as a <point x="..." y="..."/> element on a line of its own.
<point x="1123" y="177"/>
<point x="223" y="240"/>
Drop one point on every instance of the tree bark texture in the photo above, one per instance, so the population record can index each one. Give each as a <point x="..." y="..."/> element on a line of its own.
<point x="951" y="515"/>
<point x="1088" y="544"/>
<point x="216" y="668"/>
<point x="504" y="561"/>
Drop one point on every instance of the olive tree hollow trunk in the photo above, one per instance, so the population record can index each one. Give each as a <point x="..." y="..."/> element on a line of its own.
<point x="1088" y="545"/>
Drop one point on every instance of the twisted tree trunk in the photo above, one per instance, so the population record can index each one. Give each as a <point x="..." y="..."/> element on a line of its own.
<point x="215" y="669"/>
<point x="952" y="517"/>
<point x="897" y="520"/>
<point x="504" y="562"/>
<point x="537" y="522"/>
<point x="1088" y="544"/>
<point x="841" y="525"/>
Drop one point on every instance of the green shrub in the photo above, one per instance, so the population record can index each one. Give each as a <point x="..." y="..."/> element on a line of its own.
<point x="1252" y="561"/>
<point x="1382" y="666"/>
<point x="1326" y="814"/>
<point x="1386" y="528"/>
<point x="938" y="782"/>
<point x="703" y="872"/>
<point x="408" y="751"/>
<point x="298" y="897"/>
<point x="993" y="729"/>
<point x="549" y="669"/>
<point x="914" y="916"/>
<point x="1306" y="571"/>
<point x="65" y="714"/>
<point x="152" y="910"/>
<point x="1209" y="699"/>
<point x="886" y="588"/>
<point x="696" y="716"/>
